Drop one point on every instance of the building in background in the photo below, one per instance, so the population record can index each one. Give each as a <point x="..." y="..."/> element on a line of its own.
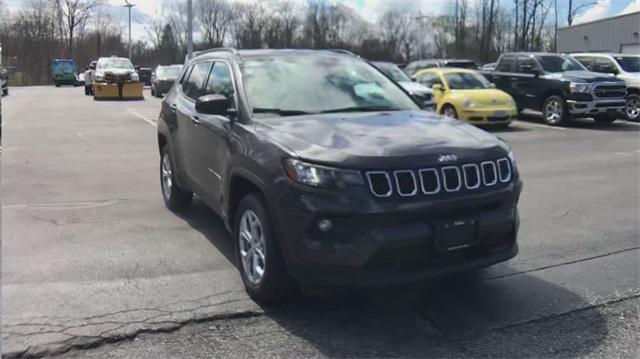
<point x="615" y="34"/>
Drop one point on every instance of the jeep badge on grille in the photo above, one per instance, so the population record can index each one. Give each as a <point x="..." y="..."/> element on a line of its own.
<point x="447" y="158"/>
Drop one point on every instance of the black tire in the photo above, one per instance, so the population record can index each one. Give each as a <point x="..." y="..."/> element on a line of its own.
<point x="5" y="92"/>
<point x="604" y="120"/>
<point x="448" y="109"/>
<point x="175" y="198"/>
<point x="554" y="111"/>
<point x="153" y="91"/>
<point x="275" y="282"/>
<point x="632" y="107"/>
<point x="57" y="84"/>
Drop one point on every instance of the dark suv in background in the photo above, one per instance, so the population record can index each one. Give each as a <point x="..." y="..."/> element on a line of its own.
<point x="328" y="174"/>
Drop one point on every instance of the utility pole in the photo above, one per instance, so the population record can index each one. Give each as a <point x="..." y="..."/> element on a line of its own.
<point x="189" y="29"/>
<point x="129" y="6"/>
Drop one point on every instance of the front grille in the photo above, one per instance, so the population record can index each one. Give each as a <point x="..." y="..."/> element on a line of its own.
<point x="610" y="104"/>
<point x="445" y="179"/>
<point x="117" y="78"/>
<point x="610" y="90"/>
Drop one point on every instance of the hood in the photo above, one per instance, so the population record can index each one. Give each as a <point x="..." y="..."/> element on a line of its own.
<point x="580" y="76"/>
<point x="378" y="139"/>
<point x="485" y="97"/>
<point x="414" y="87"/>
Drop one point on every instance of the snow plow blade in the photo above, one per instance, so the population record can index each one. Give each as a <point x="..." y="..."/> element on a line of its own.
<point x="105" y="92"/>
<point x="112" y="91"/>
<point x="132" y="91"/>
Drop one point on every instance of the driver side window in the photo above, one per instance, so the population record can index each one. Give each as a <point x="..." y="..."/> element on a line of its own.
<point x="220" y="82"/>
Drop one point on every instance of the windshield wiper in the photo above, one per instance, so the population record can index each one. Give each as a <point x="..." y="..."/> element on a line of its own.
<point x="281" y="112"/>
<point x="362" y="109"/>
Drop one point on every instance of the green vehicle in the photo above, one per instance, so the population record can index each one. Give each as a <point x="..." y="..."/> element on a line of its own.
<point x="64" y="72"/>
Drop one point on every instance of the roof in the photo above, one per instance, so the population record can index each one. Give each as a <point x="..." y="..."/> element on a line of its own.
<point x="603" y="54"/>
<point x="229" y="52"/>
<point x="599" y="20"/>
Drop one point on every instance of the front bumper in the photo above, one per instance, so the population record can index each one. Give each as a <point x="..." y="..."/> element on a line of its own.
<point x="373" y="244"/>
<point x="489" y="116"/>
<point x="597" y="107"/>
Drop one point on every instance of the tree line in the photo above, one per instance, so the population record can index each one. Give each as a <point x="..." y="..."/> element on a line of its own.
<point x="42" y="30"/>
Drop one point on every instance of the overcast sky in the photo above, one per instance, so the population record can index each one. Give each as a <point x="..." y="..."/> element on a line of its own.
<point x="368" y="9"/>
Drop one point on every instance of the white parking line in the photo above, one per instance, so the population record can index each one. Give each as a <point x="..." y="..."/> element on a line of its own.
<point x="86" y="139"/>
<point x="525" y="124"/>
<point x="142" y="117"/>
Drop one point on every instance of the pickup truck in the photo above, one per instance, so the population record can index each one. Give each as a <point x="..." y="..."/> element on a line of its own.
<point x="558" y="86"/>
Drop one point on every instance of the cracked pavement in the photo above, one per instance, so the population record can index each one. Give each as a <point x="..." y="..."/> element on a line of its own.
<point x="94" y="266"/>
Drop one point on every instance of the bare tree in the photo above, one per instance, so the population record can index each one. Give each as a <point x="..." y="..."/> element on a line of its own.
<point x="575" y="9"/>
<point x="74" y="14"/>
<point x="215" y="19"/>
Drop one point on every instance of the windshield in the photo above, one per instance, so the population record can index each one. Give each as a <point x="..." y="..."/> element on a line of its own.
<point x="551" y="63"/>
<point x="319" y="83"/>
<point x="393" y="72"/>
<point x="64" y="66"/>
<point x="629" y="63"/>
<point x="171" y="72"/>
<point x="115" y="63"/>
<point x="465" y="81"/>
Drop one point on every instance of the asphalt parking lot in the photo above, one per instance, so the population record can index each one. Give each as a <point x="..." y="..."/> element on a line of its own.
<point x="94" y="266"/>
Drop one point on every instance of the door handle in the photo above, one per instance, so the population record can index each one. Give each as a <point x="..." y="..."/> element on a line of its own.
<point x="195" y="120"/>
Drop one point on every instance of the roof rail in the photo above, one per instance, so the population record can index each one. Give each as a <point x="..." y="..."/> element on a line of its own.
<point x="342" y="51"/>
<point x="215" y="49"/>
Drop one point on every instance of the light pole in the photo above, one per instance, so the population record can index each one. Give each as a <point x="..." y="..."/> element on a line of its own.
<point x="129" y="6"/>
<point x="189" y="29"/>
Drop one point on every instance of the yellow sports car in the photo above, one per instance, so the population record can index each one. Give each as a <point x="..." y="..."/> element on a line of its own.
<point x="468" y="96"/>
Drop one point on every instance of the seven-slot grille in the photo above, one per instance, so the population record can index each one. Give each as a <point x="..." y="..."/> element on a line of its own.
<point x="610" y="90"/>
<point x="444" y="179"/>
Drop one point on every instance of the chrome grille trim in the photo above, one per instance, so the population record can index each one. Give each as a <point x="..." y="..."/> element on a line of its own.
<point x="422" y="180"/>
<point x="484" y="175"/>
<point x="386" y="175"/>
<point x="444" y="178"/>
<point x="413" y="177"/>
<point x="464" y="172"/>
<point x="506" y="178"/>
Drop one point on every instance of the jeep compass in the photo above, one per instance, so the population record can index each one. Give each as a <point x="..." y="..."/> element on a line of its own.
<point x="328" y="173"/>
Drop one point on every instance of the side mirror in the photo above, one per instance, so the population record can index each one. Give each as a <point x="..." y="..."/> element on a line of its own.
<point x="92" y="67"/>
<point x="213" y="105"/>
<point x="414" y="79"/>
<point x="438" y="87"/>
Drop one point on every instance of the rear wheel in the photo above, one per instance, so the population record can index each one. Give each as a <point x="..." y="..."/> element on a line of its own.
<point x="554" y="110"/>
<point x="261" y="265"/>
<point x="632" y="108"/>
<point x="175" y="198"/>
<point x="449" y="111"/>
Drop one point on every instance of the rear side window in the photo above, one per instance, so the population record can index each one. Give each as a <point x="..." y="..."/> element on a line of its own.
<point x="194" y="84"/>
<point x="586" y="61"/>
<point x="526" y="63"/>
<point x="506" y="64"/>
<point x="604" y="65"/>
<point x="220" y="82"/>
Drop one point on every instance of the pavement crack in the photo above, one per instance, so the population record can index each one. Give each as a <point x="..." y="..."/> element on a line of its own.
<point x="563" y="263"/>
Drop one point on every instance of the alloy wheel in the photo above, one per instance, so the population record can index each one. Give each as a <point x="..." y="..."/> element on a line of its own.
<point x="633" y="108"/>
<point x="167" y="177"/>
<point x="553" y="111"/>
<point x="252" y="246"/>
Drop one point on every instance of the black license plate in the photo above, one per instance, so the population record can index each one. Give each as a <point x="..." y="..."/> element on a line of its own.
<point x="455" y="234"/>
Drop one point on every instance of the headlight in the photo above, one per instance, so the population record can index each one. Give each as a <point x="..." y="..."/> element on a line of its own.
<point x="321" y="176"/>
<point x="135" y="77"/>
<point x="579" y="87"/>
<point x="468" y="103"/>
<point x="99" y="77"/>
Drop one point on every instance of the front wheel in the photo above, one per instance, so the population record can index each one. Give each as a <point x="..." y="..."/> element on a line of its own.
<point x="449" y="111"/>
<point x="175" y="198"/>
<point x="261" y="265"/>
<point x="632" y="107"/>
<point x="554" y="110"/>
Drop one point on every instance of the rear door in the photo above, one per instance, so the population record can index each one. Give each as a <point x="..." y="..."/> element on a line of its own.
<point x="186" y="117"/>
<point x="503" y="74"/>
<point x="213" y="133"/>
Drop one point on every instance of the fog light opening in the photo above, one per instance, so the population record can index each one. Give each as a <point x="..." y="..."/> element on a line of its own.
<point x="325" y="225"/>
